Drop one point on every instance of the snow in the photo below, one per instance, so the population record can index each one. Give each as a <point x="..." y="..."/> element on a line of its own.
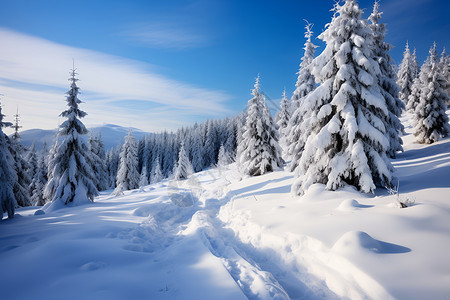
<point x="217" y="235"/>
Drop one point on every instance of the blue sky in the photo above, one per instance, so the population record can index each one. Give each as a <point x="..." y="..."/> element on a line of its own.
<point x="164" y="64"/>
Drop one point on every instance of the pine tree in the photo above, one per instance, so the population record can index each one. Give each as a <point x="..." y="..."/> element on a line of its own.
<point x="224" y="157"/>
<point x="157" y="174"/>
<point x="98" y="160"/>
<point x="183" y="167"/>
<point x="127" y="175"/>
<point x="444" y="63"/>
<point x="305" y="81"/>
<point x="414" y="97"/>
<point x="430" y="119"/>
<point x="386" y="80"/>
<point x="260" y="152"/>
<point x="283" y="117"/>
<point x="346" y="113"/>
<point x="71" y="178"/>
<point x="21" y="167"/>
<point x="407" y="71"/>
<point x="305" y="85"/>
<point x="38" y="182"/>
<point x="8" y="175"/>
<point x="143" y="179"/>
<point x="112" y="167"/>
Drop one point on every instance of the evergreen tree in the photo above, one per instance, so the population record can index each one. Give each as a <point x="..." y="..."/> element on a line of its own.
<point x="283" y="116"/>
<point x="386" y="80"/>
<point x="183" y="167"/>
<point x="157" y="174"/>
<point x="38" y="182"/>
<point x="260" y="152"/>
<point x="98" y="160"/>
<point x="8" y="175"/>
<point x="305" y="81"/>
<point x="444" y="63"/>
<point x="21" y="167"/>
<point x="112" y="166"/>
<point x="414" y="97"/>
<point x="407" y="71"/>
<point x="346" y="113"/>
<point x="51" y="185"/>
<point x="224" y="157"/>
<point x="143" y="179"/>
<point x="430" y="119"/>
<point x="127" y="175"/>
<point x="305" y="85"/>
<point x="71" y="178"/>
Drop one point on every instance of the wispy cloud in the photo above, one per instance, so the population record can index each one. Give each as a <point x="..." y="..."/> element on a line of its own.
<point x="34" y="72"/>
<point x="165" y="35"/>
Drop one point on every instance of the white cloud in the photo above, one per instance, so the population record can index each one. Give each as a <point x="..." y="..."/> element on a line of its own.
<point x="165" y="35"/>
<point x="34" y="72"/>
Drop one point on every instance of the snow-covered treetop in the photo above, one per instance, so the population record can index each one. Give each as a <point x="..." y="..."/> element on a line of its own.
<point x="305" y="81"/>
<point x="3" y="124"/>
<point x="73" y="112"/>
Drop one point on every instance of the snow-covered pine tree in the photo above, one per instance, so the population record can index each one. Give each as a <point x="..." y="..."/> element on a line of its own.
<point x="8" y="175"/>
<point x="21" y="166"/>
<point x="283" y="117"/>
<point x="143" y="179"/>
<point x="414" y="97"/>
<point x="444" y="63"/>
<point x="183" y="167"/>
<point x="98" y="160"/>
<point x="38" y="182"/>
<point x="32" y="160"/>
<point x="224" y="157"/>
<point x="305" y="85"/>
<point x="430" y="119"/>
<point x="157" y="174"/>
<point x="386" y="80"/>
<point x="415" y="64"/>
<point x="71" y="178"/>
<point x="407" y="71"/>
<point x="112" y="166"/>
<point x="260" y="151"/>
<point x="127" y="175"/>
<point x="305" y="80"/>
<point x="51" y="185"/>
<point x="347" y="141"/>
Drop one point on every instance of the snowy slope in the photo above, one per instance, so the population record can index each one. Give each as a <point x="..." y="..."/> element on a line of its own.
<point x="112" y="135"/>
<point x="220" y="236"/>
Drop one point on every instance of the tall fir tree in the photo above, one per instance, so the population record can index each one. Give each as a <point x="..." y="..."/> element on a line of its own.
<point x="444" y="63"/>
<point x="407" y="71"/>
<point x="183" y="168"/>
<point x="157" y="175"/>
<point x="8" y="175"/>
<point x="128" y="175"/>
<point x="260" y="152"/>
<point x="305" y="80"/>
<point x="38" y="182"/>
<point x="305" y="85"/>
<point x="386" y="80"/>
<point x="430" y="119"/>
<point x="98" y="159"/>
<point x="283" y="117"/>
<point x="346" y="113"/>
<point x="21" y="167"/>
<point x="71" y="177"/>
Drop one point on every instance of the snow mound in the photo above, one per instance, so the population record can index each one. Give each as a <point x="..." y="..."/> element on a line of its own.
<point x="351" y="204"/>
<point x="358" y="241"/>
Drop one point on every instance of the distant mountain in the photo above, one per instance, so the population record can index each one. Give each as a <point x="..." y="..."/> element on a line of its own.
<point x="112" y="135"/>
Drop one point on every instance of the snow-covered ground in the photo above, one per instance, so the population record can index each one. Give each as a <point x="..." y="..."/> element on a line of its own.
<point x="220" y="236"/>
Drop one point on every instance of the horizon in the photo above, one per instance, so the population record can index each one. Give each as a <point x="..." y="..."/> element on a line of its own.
<point x="161" y="66"/>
